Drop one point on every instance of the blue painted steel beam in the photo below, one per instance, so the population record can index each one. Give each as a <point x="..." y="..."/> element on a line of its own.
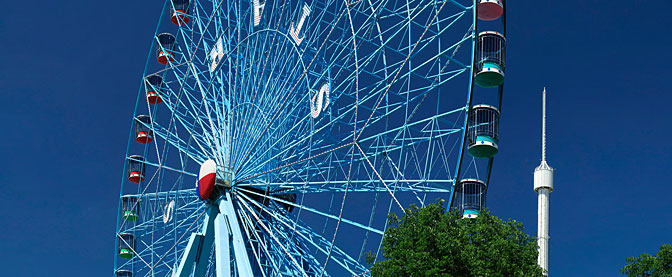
<point x="353" y="223"/>
<point x="186" y="264"/>
<point x="313" y="238"/>
<point x="222" y="251"/>
<point x="195" y="257"/>
<point x="242" y="261"/>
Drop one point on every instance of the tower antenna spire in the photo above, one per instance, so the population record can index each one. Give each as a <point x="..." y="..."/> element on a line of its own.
<point x="543" y="126"/>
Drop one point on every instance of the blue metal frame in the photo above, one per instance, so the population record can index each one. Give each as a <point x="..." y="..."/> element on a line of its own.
<point x="391" y="132"/>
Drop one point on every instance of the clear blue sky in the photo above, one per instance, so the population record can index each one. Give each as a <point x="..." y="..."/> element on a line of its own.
<point x="70" y="73"/>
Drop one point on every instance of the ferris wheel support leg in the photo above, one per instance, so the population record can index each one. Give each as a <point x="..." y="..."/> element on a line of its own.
<point x="243" y="267"/>
<point x="199" y="246"/>
<point x="187" y="262"/>
<point x="222" y="251"/>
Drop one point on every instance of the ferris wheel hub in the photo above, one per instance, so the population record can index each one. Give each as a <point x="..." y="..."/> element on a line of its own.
<point x="211" y="176"/>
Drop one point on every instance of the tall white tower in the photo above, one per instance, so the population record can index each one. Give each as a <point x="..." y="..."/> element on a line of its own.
<point x="543" y="186"/>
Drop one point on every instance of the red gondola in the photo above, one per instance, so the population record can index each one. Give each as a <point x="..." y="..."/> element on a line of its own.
<point x="153" y="87"/>
<point x="179" y="15"/>
<point x="136" y="168"/>
<point x="143" y="131"/>
<point x="164" y="49"/>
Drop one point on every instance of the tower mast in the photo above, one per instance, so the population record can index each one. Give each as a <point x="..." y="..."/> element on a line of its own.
<point x="543" y="186"/>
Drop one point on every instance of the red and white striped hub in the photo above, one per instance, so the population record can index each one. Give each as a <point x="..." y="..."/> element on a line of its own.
<point x="206" y="179"/>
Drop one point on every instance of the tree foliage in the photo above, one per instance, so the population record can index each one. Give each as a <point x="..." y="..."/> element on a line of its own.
<point x="650" y="266"/>
<point x="431" y="242"/>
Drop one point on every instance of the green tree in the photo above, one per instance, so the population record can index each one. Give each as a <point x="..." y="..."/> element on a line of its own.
<point x="650" y="266"/>
<point x="431" y="242"/>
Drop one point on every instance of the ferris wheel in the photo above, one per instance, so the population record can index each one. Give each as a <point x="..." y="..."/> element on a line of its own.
<point x="274" y="137"/>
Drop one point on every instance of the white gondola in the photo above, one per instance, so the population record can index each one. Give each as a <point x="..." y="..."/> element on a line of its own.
<point x="490" y="53"/>
<point x="470" y="197"/>
<point x="483" y="134"/>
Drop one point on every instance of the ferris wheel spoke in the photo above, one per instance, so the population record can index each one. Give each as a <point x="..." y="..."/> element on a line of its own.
<point x="310" y="237"/>
<point x="208" y="20"/>
<point x="292" y="146"/>
<point x="252" y="238"/>
<point x="215" y="131"/>
<point x="398" y="72"/>
<point x="260" y="79"/>
<point x="367" y="60"/>
<point x="275" y="142"/>
<point x="286" y="98"/>
<point x="297" y="162"/>
<point x="196" y="154"/>
<point x="183" y="194"/>
<point x="293" y="180"/>
<point x="362" y="185"/>
<point x="190" y="52"/>
<point x="438" y="80"/>
<point x="312" y="210"/>
<point x="396" y="172"/>
<point x="401" y="142"/>
<point x="368" y="184"/>
<point x="414" y="124"/>
<point x="202" y="22"/>
<point x="287" y="234"/>
<point x="451" y="20"/>
<point x="256" y="133"/>
<point x="201" y="139"/>
<point x="277" y="83"/>
<point x="163" y="237"/>
<point x="179" y="240"/>
<point x="274" y="256"/>
<point x="260" y="132"/>
<point x="132" y="248"/>
<point x="186" y="212"/>
<point x="148" y="251"/>
<point x="269" y="232"/>
<point x="425" y="133"/>
<point x="177" y="116"/>
<point x="372" y="185"/>
<point x="261" y="243"/>
<point x="159" y="166"/>
<point x="406" y="137"/>
<point x="299" y="125"/>
<point x="392" y="194"/>
<point x="337" y="255"/>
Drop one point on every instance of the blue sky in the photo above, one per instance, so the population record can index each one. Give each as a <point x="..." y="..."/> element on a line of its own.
<point x="71" y="69"/>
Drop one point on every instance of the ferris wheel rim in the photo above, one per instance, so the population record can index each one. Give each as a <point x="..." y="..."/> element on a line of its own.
<point x="354" y="144"/>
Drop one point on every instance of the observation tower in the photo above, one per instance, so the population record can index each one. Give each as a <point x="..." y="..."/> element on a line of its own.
<point x="543" y="186"/>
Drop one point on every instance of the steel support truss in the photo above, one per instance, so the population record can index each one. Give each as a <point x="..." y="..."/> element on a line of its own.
<point x="221" y="226"/>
